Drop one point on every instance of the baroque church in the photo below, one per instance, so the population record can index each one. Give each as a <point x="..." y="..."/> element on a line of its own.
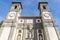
<point x="17" y="27"/>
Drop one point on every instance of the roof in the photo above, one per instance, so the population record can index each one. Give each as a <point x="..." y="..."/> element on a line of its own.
<point x="16" y="2"/>
<point x="41" y="3"/>
<point x="19" y="3"/>
<point x="29" y="17"/>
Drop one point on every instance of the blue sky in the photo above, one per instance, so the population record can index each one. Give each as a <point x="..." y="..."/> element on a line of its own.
<point x="30" y="8"/>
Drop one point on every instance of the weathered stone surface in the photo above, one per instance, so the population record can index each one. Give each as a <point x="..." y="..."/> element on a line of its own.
<point x="17" y="27"/>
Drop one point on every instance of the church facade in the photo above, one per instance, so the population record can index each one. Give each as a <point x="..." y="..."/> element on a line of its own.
<point x="17" y="27"/>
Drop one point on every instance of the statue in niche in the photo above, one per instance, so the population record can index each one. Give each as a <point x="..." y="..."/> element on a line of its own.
<point x="29" y="32"/>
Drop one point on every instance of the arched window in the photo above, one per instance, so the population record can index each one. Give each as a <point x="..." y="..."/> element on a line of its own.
<point x="40" y="37"/>
<point x="44" y="7"/>
<point x="15" y="6"/>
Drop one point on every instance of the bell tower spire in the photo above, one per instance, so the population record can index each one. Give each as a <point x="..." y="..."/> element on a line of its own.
<point x="9" y="25"/>
<point x="15" y="11"/>
<point x="49" y="27"/>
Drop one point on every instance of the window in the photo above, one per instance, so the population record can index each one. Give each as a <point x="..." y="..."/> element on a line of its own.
<point x="39" y="31"/>
<point x="40" y="37"/>
<point x="44" y="7"/>
<point x="29" y="20"/>
<point x="21" y="21"/>
<point x="19" y="31"/>
<point x="40" y="34"/>
<point x="15" y="7"/>
<point x="38" y="21"/>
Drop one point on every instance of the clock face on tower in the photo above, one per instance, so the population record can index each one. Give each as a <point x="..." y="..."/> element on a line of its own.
<point x="46" y="15"/>
<point x="11" y="15"/>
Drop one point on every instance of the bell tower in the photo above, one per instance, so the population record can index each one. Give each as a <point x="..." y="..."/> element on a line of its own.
<point x="15" y="11"/>
<point x="49" y="26"/>
<point x="16" y="27"/>
<point x="9" y="26"/>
